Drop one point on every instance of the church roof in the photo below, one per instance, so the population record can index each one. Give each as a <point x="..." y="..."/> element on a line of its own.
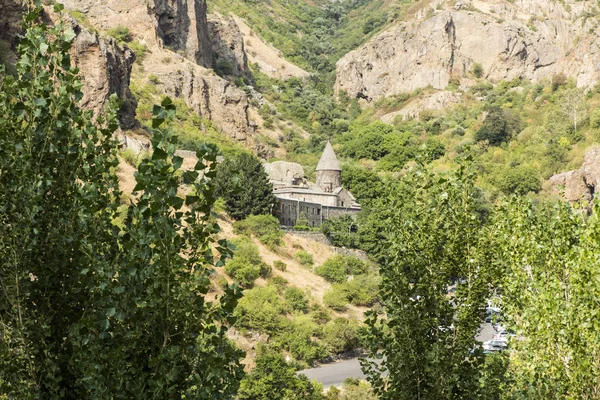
<point x="328" y="161"/>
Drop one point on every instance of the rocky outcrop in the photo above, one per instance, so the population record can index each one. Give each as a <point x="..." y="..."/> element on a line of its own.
<point x="211" y="97"/>
<point x="527" y="39"/>
<point x="433" y="102"/>
<point x="105" y="69"/>
<point x="228" y="44"/>
<point x="12" y="13"/>
<point x="579" y="185"/>
<point x="104" y="66"/>
<point x="180" y="47"/>
<point x="182" y="25"/>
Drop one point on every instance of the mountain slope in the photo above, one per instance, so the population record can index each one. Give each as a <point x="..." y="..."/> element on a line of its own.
<point x="446" y="40"/>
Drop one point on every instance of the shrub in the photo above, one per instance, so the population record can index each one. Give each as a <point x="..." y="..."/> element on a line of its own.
<point x="478" y="70"/>
<point x="154" y="79"/>
<point x="264" y="227"/>
<point x="121" y="33"/>
<point x="261" y="309"/>
<point x="338" y="267"/>
<point x="304" y="258"/>
<point x="222" y="67"/>
<point x="273" y="378"/>
<point x="519" y="180"/>
<point x="296" y="299"/>
<point x="595" y="118"/>
<point x="336" y="299"/>
<point x="280" y="265"/>
<point x="298" y="338"/>
<point x="140" y="50"/>
<point x="498" y="126"/>
<point x="130" y="156"/>
<point x="246" y="265"/>
<point x="363" y="290"/>
<point x="558" y="80"/>
<point x="279" y="282"/>
<point x="341" y="335"/>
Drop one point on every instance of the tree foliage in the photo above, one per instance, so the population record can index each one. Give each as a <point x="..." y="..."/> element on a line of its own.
<point x="89" y="309"/>
<point x="274" y="379"/>
<point x="243" y="183"/>
<point x="427" y="340"/>
<point x="549" y="298"/>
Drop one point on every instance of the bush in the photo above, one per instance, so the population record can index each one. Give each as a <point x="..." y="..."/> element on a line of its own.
<point x="304" y="258"/>
<point x="363" y="290"/>
<point x="498" y="127"/>
<point x="595" y="118"/>
<point x="130" y="156"/>
<point x="298" y="339"/>
<point x="338" y="267"/>
<point x="261" y="309"/>
<point x="222" y="68"/>
<point x="519" y="180"/>
<point x="280" y="265"/>
<point x="558" y="80"/>
<point x="246" y="265"/>
<point x="336" y="299"/>
<point x="140" y="50"/>
<point x="296" y="299"/>
<point x="155" y="80"/>
<point x="121" y="33"/>
<point x="279" y="282"/>
<point x="341" y="335"/>
<point x="274" y="379"/>
<point x="264" y="227"/>
<point x="478" y="70"/>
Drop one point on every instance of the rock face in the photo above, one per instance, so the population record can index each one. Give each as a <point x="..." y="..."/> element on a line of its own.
<point x="581" y="184"/>
<point x="105" y="68"/>
<point x="435" y="101"/>
<point x="180" y="42"/>
<point x="12" y="12"/>
<point x="211" y="97"/>
<point x="228" y="44"/>
<point x="528" y="39"/>
<point x="182" y="25"/>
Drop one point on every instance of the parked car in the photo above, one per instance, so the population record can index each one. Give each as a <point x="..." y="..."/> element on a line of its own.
<point x="494" y="345"/>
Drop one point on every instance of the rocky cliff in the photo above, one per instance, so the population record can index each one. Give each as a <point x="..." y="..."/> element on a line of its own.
<point x="581" y="184"/>
<point x="181" y="43"/>
<point x="227" y="44"/>
<point x="105" y="66"/>
<point x="443" y="40"/>
<point x="105" y="70"/>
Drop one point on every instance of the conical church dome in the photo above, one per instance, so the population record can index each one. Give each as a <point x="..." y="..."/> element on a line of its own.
<point x="328" y="161"/>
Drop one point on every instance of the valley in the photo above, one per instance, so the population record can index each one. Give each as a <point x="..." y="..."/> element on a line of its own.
<point x="465" y="135"/>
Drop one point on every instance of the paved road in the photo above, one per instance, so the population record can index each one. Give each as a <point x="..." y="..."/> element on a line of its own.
<point x="334" y="374"/>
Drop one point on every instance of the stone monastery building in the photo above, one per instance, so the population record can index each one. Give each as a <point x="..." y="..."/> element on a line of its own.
<point x="320" y="201"/>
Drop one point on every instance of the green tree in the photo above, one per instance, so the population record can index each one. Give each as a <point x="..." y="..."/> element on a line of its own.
<point x="519" y="180"/>
<point x="498" y="127"/>
<point x="244" y="185"/>
<point x="549" y="253"/>
<point x="427" y="339"/>
<point x="364" y="184"/>
<point x="89" y="309"/>
<point x="274" y="379"/>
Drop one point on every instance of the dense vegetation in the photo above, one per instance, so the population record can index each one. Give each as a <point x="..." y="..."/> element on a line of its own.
<point x="89" y="309"/>
<point x="102" y="297"/>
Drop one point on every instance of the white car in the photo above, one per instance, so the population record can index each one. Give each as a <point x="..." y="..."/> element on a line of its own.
<point x="494" y="345"/>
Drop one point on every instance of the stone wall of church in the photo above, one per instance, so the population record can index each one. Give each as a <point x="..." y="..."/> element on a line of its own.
<point x="288" y="211"/>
